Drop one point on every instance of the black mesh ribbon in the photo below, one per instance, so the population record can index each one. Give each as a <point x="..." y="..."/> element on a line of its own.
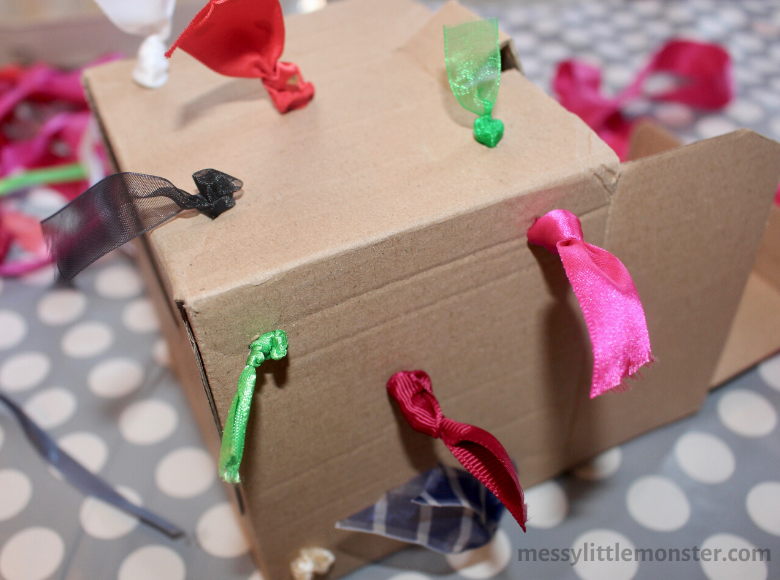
<point x="123" y="206"/>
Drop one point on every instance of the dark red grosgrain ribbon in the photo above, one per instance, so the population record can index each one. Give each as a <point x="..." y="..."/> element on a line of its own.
<point x="476" y="449"/>
<point x="245" y="38"/>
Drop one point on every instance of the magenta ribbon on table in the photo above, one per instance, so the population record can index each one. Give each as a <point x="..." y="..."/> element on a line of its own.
<point x="703" y="75"/>
<point x="607" y="295"/>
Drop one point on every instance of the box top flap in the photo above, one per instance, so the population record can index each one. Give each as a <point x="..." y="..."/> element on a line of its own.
<point x="702" y="209"/>
<point x="649" y="138"/>
<point x="427" y="46"/>
<point x="383" y="148"/>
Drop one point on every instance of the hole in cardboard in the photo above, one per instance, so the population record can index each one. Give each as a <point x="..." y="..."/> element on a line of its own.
<point x="509" y="59"/>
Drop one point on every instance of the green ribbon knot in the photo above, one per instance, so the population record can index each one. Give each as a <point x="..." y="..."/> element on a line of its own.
<point x="272" y="345"/>
<point x="474" y="69"/>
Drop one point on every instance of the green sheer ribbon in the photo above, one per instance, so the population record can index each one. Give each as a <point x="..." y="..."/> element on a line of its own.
<point x="474" y="69"/>
<point x="272" y="345"/>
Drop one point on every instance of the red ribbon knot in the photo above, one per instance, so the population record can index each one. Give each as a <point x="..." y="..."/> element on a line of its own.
<point x="245" y="38"/>
<point x="608" y="298"/>
<point x="476" y="449"/>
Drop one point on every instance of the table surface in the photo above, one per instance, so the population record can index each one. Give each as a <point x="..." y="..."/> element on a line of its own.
<point x="89" y="365"/>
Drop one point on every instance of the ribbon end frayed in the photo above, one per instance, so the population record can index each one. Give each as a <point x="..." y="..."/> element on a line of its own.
<point x="229" y="475"/>
<point x="632" y="371"/>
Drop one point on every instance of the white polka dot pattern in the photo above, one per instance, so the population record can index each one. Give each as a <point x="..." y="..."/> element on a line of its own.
<point x="32" y="554"/>
<point x="763" y="506"/>
<point x="118" y="282"/>
<point x="658" y="503"/>
<point x="24" y="371"/>
<point x="704" y="457"/>
<point x="148" y="422"/>
<point x="103" y="521"/>
<point x="116" y="377"/>
<point x="152" y="562"/>
<point x="724" y="568"/>
<point x="590" y="567"/>
<point x="547" y="505"/>
<point x="86" y="448"/>
<point x="51" y="407"/>
<point x="747" y="413"/>
<point x="15" y="493"/>
<point x="62" y="306"/>
<point x="219" y="533"/>
<point x="13" y="329"/>
<point x="485" y="562"/>
<point x="139" y="316"/>
<point x="185" y="472"/>
<point x="87" y="339"/>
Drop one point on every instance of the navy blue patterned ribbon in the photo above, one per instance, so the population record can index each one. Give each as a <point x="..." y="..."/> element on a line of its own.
<point x="82" y="479"/>
<point x="445" y="509"/>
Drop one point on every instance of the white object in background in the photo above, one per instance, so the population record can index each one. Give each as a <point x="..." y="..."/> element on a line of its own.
<point x="311" y="561"/>
<point x="150" y="18"/>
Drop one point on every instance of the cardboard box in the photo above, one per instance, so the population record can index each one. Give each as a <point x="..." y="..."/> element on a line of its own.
<point x="382" y="237"/>
<point x="755" y="330"/>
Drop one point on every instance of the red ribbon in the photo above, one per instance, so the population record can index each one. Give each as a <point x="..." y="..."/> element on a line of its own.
<point x="476" y="449"/>
<point x="702" y="71"/>
<point x="245" y="38"/>
<point x="607" y="296"/>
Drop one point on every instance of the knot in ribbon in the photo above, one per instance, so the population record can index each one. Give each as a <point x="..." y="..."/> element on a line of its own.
<point x="477" y="450"/>
<point x="245" y="38"/>
<point x="287" y="88"/>
<point x="607" y="296"/>
<point x="271" y="345"/>
<point x="702" y="72"/>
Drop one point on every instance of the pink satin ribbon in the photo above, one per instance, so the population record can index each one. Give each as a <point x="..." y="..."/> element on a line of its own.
<point x="607" y="295"/>
<point x="702" y="72"/>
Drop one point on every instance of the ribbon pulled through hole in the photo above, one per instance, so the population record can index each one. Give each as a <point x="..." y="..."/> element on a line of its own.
<point x="473" y="61"/>
<point x="607" y="296"/>
<point x="123" y="206"/>
<point x="478" y="451"/>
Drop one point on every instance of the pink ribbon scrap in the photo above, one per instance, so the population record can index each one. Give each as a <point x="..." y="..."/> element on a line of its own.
<point x="607" y="296"/>
<point x="702" y="75"/>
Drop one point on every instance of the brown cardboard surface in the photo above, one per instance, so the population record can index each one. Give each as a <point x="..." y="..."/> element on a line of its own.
<point x="768" y="259"/>
<point x="381" y="237"/>
<point x="755" y="333"/>
<point x="755" y="330"/>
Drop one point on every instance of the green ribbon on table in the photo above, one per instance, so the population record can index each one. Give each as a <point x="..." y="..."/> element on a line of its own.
<point x="474" y="69"/>
<point x="271" y="345"/>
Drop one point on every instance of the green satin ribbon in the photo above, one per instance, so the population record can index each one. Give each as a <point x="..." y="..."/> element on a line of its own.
<point x="271" y="345"/>
<point x="474" y="69"/>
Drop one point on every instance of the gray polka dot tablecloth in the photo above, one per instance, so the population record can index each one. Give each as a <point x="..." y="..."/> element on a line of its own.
<point x="88" y="364"/>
